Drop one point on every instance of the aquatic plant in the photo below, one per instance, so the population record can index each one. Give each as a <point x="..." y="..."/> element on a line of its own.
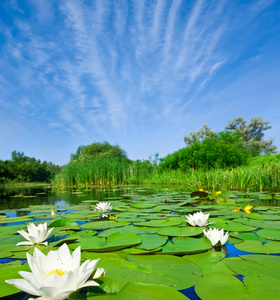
<point x="36" y="234"/>
<point x="198" y="219"/>
<point x="216" y="236"/>
<point x="57" y="274"/>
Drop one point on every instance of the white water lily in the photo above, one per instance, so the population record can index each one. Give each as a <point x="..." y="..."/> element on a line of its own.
<point x="36" y="234"/>
<point x="103" y="206"/>
<point x="56" y="275"/>
<point x="198" y="219"/>
<point x="216" y="236"/>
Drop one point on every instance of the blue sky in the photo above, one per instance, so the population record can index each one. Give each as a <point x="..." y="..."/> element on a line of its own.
<point x="138" y="73"/>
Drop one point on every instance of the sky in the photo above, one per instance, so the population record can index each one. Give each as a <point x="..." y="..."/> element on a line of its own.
<point x="140" y="74"/>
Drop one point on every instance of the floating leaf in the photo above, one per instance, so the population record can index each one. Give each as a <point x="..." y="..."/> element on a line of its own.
<point x="257" y="247"/>
<point x="180" y="231"/>
<point x="101" y="225"/>
<point x="151" y="241"/>
<point x="132" y="291"/>
<point x="115" y="241"/>
<point x="159" y="223"/>
<point x="187" y="246"/>
<point x="220" y="286"/>
<point x="270" y="234"/>
<point x="62" y="223"/>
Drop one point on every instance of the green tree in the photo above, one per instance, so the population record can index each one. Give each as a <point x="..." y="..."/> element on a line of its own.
<point x="24" y="168"/>
<point x="252" y="134"/>
<point x="199" y="135"/>
<point x="98" y="150"/>
<point x="218" y="150"/>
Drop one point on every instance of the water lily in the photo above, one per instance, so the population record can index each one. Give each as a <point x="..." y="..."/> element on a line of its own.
<point x="216" y="236"/>
<point x="103" y="206"/>
<point x="56" y="275"/>
<point x="198" y="219"/>
<point x="236" y="209"/>
<point x="36" y="234"/>
<point x="248" y="209"/>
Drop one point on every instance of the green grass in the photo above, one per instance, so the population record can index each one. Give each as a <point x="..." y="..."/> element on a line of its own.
<point x="261" y="174"/>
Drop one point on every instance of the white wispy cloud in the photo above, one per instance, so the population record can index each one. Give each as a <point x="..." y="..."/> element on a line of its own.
<point x="91" y="67"/>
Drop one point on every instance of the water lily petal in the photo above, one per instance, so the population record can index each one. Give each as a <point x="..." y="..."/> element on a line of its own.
<point x="24" y="234"/>
<point x="24" y="243"/>
<point x="76" y="258"/>
<point x="36" y="265"/>
<point x="53" y="292"/>
<point x="23" y="285"/>
<point x="90" y="283"/>
<point x="98" y="273"/>
<point x="48" y="233"/>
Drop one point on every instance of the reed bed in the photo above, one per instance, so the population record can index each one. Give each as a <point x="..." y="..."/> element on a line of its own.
<point x="260" y="175"/>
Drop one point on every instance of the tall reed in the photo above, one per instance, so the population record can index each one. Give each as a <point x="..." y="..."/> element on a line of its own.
<point x="262" y="174"/>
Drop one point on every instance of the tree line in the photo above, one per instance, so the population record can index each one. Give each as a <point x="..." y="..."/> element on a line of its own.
<point x="205" y="149"/>
<point x="240" y="141"/>
<point x="22" y="168"/>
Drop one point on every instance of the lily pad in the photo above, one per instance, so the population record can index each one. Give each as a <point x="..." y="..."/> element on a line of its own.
<point x="132" y="291"/>
<point x="270" y="234"/>
<point x="257" y="247"/>
<point x="187" y="245"/>
<point x="220" y="286"/>
<point x="10" y="271"/>
<point x="101" y="225"/>
<point x="115" y="241"/>
<point x="151" y="241"/>
<point x="180" y="231"/>
<point x="159" y="223"/>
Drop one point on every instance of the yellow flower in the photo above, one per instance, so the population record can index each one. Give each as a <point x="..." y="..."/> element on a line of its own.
<point x="114" y="217"/>
<point x="236" y="210"/>
<point x="248" y="209"/>
<point x="53" y="213"/>
<point x="217" y="201"/>
<point x="201" y="190"/>
<point x="218" y="193"/>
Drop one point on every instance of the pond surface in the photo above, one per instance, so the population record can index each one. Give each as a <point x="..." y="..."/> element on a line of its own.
<point x="146" y="237"/>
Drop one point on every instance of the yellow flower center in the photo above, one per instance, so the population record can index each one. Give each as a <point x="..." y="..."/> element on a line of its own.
<point x="57" y="271"/>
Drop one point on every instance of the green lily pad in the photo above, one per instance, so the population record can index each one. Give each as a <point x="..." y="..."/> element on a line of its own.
<point x="220" y="286"/>
<point x="246" y="236"/>
<point x="132" y="291"/>
<point x="233" y="226"/>
<point x="245" y="267"/>
<point x="10" y="271"/>
<point x="263" y="216"/>
<point x="151" y="241"/>
<point x="186" y="245"/>
<point x="101" y="225"/>
<point x="129" y="228"/>
<point x="257" y="247"/>
<point x="143" y="206"/>
<point x="267" y="260"/>
<point x="184" y="273"/>
<point x="210" y="262"/>
<point x="270" y="234"/>
<point x="159" y="223"/>
<point x="180" y="231"/>
<point x="115" y="241"/>
<point x="62" y="223"/>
